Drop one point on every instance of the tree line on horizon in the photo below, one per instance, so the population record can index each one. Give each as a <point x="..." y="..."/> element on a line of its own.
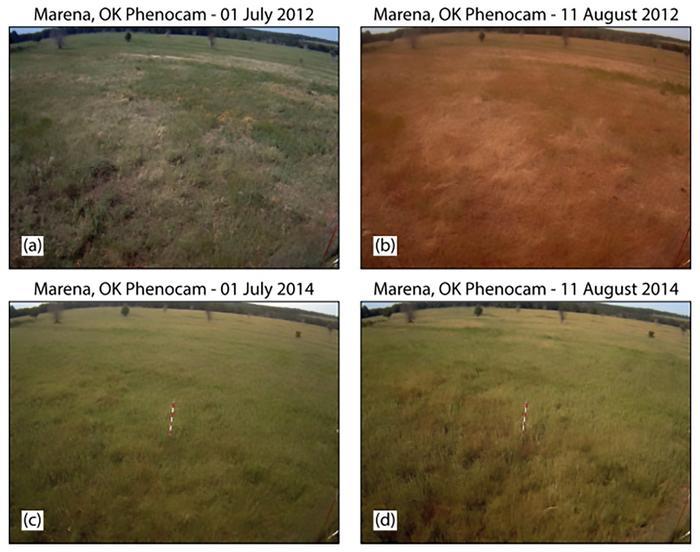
<point x="593" y="33"/>
<point x="236" y="33"/>
<point x="289" y="314"/>
<point x="619" y="311"/>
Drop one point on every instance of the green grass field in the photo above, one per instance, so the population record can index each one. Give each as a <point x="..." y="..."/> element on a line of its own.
<point x="164" y="152"/>
<point x="254" y="454"/>
<point x="606" y="453"/>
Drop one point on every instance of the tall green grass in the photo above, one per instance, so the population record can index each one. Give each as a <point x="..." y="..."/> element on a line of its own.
<point x="147" y="153"/>
<point x="606" y="453"/>
<point x="254" y="454"/>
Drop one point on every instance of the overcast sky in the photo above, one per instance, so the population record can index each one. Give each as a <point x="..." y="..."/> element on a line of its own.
<point x="668" y="306"/>
<point x="329" y="33"/>
<point x="325" y="308"/>
<point x="675" y="308"/>
<point x="682" y="33"/>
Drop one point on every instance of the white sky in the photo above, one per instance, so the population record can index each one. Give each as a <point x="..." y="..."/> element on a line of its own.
<point x="682" y="33"/>
<point x="682" y="308"/>
<point x="24" y="305"/>
<point x="324" y="308"/>
<point x="328" y="33"/>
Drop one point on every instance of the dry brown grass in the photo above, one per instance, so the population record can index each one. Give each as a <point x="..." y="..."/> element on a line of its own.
<point x="173" y="154"/>
<point x="522" y="153"/>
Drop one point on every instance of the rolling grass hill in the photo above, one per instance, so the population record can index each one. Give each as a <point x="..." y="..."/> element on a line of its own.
<point x="606" y="453"/>
<point x="254" y="454"/>
<point x="580" y="150"/>
<point x="164" y="152"/>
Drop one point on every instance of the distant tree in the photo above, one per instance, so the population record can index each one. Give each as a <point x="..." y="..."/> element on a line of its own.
<point x="565" y="37"/>
<point x="651" y="334"/>
<point x="412" y="35"/>
<point x="125" y="310"/>
<point x="478" y="311"/>
<point x="13" y="311"/>
<point x="365" y="312"/>
<point x="212" y="39"/>
<point x="482" y="36"/>
<point x="127" y="36"/>
<point x="56" y="310"/>
<point x="409" y="309"/>
<point x="59" y="37"/>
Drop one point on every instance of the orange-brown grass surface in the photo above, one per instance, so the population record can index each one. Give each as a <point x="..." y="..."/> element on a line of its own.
<point x="521" y="152"/>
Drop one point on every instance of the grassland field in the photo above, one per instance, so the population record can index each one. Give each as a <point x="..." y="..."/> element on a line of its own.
<point x="522" y="152"/>
<point x="606" y="452"/>
<point x="254" y="453"/>
<point x="164" y="152"/>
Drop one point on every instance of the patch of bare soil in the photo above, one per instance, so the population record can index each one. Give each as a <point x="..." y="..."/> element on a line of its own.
<point x="229" y="61"/>
<point x="666" y="527"/>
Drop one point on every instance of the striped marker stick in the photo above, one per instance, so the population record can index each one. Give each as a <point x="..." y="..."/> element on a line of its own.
<point x="524" y="417"/>
<point x="171" y="419"/>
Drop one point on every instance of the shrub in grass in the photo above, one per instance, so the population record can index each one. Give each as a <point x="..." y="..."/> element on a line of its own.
<point x="59" y="38"/>
<point x="478" y="311"/>
<point x="125" y="311"/>
<point x="409" y="309"/>
<point x="412" y="36"/>
<point x="56" y="310"/>
<point x="565" y="38"/>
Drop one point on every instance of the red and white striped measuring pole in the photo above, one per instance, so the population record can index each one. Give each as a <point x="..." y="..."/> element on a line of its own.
<point x="524" y="417"/>
<point x="171" y="418"/>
